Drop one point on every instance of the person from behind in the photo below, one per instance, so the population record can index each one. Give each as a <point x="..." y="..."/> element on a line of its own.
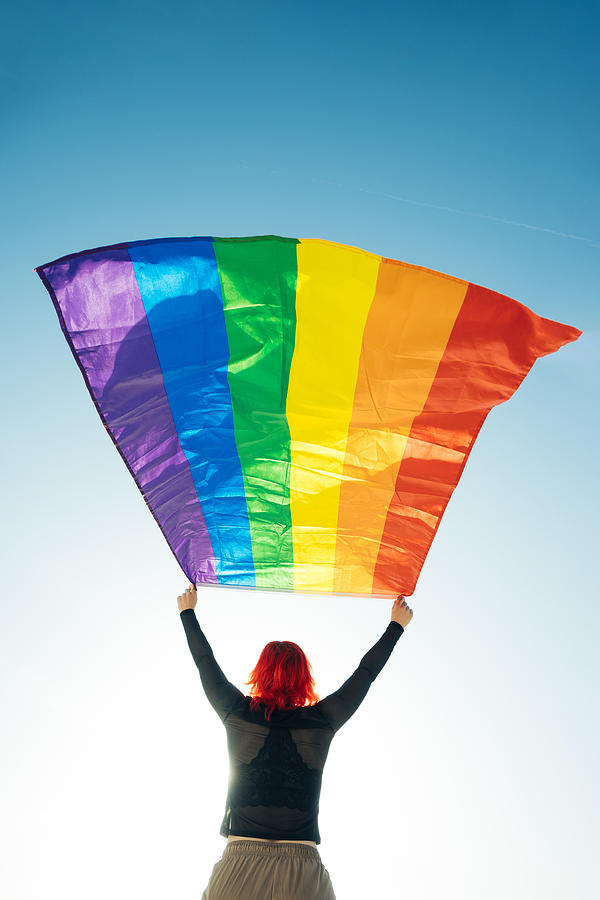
<point x="278" y="738"/>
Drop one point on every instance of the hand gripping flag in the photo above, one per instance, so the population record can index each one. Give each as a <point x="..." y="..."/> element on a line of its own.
<point x="296" y="413"/>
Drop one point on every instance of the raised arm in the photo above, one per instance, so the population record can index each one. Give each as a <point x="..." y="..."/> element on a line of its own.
<point x="222" y="695"/>
<point x="343" y="703"/>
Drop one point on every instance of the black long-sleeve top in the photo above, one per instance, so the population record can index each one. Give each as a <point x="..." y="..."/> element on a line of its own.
<point x="276" y="766"/>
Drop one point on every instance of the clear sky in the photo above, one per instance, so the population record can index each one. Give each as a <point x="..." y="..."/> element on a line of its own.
<point x="461" y="137"/>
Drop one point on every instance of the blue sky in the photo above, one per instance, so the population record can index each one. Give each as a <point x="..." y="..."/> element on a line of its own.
<point x="419" y="133"/>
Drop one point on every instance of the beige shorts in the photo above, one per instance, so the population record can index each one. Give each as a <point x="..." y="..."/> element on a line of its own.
<point x="256" y="870"/>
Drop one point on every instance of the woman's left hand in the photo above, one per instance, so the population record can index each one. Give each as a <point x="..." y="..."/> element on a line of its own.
<point x="188" y="599"/>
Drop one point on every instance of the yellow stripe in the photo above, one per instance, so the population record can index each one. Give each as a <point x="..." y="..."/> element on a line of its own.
<point x="334" y="291"/>
<point x="409" y="325"/>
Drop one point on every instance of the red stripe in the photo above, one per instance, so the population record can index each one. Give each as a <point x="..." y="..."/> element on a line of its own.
<point x="493" y="345"/>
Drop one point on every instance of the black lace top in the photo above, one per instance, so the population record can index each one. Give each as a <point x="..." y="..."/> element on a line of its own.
<point x="276" y="766"/>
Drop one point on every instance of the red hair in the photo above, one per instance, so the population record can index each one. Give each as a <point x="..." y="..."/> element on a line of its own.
<point x="281" y="679"/>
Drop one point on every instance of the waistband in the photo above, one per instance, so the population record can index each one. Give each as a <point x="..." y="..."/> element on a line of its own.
<point x="262" y="848"/>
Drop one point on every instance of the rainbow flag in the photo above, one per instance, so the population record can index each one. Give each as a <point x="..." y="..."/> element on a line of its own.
<point x="296" y="413"/>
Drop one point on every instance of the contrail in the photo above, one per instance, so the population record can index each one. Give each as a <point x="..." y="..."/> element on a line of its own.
<point x="450" y="209"/>
<point x="477" y="215"/>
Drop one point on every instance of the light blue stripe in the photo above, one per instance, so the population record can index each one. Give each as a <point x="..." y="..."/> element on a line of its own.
<point x="180" y="290"/>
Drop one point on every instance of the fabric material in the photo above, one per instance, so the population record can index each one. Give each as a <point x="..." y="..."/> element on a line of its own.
<point x="276" y="766"/>
<point x="253" y="870"/>
<point x="296" y="413"/>
<point x="180" y="290"/>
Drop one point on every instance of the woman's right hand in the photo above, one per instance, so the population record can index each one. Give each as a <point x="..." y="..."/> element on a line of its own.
<point x="401" y="612"/>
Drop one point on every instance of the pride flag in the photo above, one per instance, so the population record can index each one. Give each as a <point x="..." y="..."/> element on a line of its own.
<point x="296" y="413"/>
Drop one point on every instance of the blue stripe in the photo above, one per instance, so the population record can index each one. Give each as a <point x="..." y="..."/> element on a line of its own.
<point x="180" y="290"/>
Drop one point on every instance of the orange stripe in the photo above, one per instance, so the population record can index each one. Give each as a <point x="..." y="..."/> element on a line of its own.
<point x="407" y="329"/>
<point x="493" y="345"/>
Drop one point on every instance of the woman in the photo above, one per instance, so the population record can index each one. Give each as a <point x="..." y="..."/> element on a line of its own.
<point x="278" y="740"/>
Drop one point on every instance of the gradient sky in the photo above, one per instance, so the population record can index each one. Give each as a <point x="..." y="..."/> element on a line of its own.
<point x="464" y="138"/>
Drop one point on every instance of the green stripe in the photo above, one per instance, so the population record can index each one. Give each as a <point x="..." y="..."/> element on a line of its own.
<point x="258" y="283"/>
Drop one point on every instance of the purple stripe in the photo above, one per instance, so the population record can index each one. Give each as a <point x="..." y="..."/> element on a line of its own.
<point x="102" y="315"/>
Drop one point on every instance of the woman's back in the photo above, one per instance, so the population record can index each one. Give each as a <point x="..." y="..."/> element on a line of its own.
<point x="275" y="771"/>
<point x="276" y="764"/>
